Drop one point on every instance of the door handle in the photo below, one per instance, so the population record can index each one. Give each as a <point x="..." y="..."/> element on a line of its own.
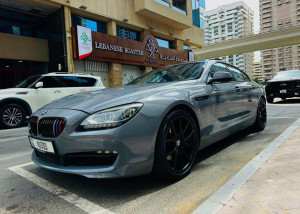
<point x="57" y="91"/>
<point x="205" y="97"/>
<point x="237" y="89"/>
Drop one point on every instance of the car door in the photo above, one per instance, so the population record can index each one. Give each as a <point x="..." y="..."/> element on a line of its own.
<point x="50" y="91"/>
<point x="250" y="92"/>
<point x="226" y="101"/>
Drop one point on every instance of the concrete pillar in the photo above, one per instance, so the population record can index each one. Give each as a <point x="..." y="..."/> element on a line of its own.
<point x="146" y="70"/>
<point x="115" y="75"/>
<point x="144" y="33"/>
<point x="115" y="69"/>
<point x="68" y="25"/>
<point x="178" y="45"/>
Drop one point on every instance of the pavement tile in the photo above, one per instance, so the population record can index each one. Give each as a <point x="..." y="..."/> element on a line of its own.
<point x="249" y="205"/>
<point x="271" y="207"/>
<point x="289" y="203"/>
<point x="294" y="211"/>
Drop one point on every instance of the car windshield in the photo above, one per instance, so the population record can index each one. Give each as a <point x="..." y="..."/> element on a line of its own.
<point x="29" y="81"/>
<point x="180" y="72"/>
<point x="287" y="75"/>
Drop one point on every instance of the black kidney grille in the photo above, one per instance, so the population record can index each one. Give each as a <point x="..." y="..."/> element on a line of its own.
<point x="33" y="121"/>
<point x="51" y="127"/>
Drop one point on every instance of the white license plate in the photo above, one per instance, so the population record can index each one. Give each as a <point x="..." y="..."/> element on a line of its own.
<point x="42" y="145"/>
<point x="282" y="91"/>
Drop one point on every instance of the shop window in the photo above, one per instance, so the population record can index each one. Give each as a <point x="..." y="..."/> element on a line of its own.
<point x="94" y="25"/>
<point x="128" y="34"/>
<point x="164" y="43"/>
<point x="180" y="6"/>
<point x="22" y="24"/>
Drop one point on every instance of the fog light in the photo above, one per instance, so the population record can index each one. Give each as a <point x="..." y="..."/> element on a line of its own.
<point x="296" y="93"/>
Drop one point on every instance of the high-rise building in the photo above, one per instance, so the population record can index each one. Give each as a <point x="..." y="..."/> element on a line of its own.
<point x="257" y="71"/>
<point x="198" y="7"/>
<point x="276" y="14"/>
<point x="230" y="22"/>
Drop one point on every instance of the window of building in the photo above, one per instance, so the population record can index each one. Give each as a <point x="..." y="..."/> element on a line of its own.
<point x="22" y="24"/>
<point x="179" y="5"/>
<point x="128" y="34"/>
<point x="164" y="2"/>
<point x="198" y="16"/>
<point x="164" y="43"/>
<point x="185" y="48"/>
<point x="94" y="25"/>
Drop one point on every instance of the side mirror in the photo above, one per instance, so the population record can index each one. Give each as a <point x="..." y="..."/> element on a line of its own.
<point x="39" y="85"/>
<point x="220" y="76"/>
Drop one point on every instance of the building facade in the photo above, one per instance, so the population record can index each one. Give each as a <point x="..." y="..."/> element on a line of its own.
<point x="276" y="14"/>
<point x="257" y="71"/>
<point x="198" y="7"/>
<point x="39" y="36"/>
<point x="229" y="22"/>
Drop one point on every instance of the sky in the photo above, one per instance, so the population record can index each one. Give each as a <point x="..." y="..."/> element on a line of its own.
<point x="253" y="4"/>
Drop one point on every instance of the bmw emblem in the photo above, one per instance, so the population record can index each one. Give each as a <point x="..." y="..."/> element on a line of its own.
<point x="44" y="112"/>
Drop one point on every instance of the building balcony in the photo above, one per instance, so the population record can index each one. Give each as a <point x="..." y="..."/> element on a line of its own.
<point x="158" y="12"/>
<point x="264" y="6"/>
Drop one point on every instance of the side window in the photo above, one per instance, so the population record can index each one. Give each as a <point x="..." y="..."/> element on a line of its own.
<point x="51" y="82"/>
<point x="87" y="82"/>
<point x="218" y="67"/>
<point x="71" y="81"/>
<point x="238" y="75"/>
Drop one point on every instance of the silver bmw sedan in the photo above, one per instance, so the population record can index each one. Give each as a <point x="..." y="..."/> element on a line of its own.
<point x="157" y="123"/>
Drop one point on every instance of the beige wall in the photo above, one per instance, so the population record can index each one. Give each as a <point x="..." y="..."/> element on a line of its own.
<point x="23" y="48"/>
<point x="118" y="10"/>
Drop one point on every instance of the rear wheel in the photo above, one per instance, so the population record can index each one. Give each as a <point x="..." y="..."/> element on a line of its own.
<point x="270" y="99"/>
<point x="176" y="146"/>
<point x="12" y="116"/>
<point x="261" y="116"/>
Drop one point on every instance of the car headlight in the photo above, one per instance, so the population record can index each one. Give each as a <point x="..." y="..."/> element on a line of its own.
<point x="112" y="117"/>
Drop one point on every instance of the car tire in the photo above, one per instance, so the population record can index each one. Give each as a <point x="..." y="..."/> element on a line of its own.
<point x="176" y="146"/>
<point x="270" y="99"/>
<point x="261" y="117"/>
<point x="12" y="116"/>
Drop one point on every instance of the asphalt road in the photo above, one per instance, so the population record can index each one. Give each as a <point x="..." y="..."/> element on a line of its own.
<point x="32" y="189"/>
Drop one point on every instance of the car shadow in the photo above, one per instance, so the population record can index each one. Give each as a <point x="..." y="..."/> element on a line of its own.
<point x="110" y="192"/>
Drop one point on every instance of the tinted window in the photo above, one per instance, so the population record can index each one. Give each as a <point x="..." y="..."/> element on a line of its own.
<point x="237" y="74"/>
<point x="50" y="82"/>
<point x="26" y="83"/>
<point x="72" y="81"/>
<point x="69" y="81"/>
<point x="217" y="68"/>
<point x="87" y="82"/>
<point x="128" y="34"/>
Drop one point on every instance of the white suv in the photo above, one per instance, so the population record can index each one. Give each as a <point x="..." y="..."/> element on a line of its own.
<point x="36" y="91"/>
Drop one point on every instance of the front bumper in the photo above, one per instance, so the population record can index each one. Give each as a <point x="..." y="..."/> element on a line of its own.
<point x="134" y="143"/>
<point x="288" y="94"/>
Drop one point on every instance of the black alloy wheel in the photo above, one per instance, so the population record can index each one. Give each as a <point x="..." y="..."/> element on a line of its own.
<point x="12" y="116"/>
<point x="261" y="116"/>
<point x="176" y="146"/>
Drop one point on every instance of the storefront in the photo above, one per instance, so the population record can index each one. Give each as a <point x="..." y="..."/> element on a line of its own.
<point x="102" y="54"/>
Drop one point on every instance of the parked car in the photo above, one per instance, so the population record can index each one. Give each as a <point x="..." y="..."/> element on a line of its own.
<point x="286" y="84"/>
<point x="158" y="122"/>
<point x="18" y="103"/>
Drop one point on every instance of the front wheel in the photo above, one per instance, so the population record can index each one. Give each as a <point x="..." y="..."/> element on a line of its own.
<point x="176" y="146"/>
<point x="12" y="116"/>
<point x="261" y="117"/>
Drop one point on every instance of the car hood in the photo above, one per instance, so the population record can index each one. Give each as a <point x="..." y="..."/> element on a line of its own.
<point x="91" y="102"/>
<point x="12" y="91"/>
<point x="284" y="80"/>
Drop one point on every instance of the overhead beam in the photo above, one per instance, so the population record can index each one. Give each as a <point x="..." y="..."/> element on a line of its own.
<point x="256" y="42"/>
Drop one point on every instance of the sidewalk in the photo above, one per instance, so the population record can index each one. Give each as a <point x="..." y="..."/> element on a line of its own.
<point x="275" y="186"/>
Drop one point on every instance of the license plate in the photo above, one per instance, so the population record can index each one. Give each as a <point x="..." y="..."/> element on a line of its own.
<point x="42" y="145"/>
<point x="282" y="91"/>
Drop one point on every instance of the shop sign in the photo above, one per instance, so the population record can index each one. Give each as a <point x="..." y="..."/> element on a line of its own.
<point x="109" y="48"/>
<point x="84" y="42"/>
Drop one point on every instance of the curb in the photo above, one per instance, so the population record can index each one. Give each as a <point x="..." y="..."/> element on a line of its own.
<point x="216" y="201"/>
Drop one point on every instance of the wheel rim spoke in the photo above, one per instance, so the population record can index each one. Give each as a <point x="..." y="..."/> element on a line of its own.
<point x="12" y="116"/>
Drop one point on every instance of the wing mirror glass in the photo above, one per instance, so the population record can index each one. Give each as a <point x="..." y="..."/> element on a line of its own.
<point x="220" y="76"/>
<point x="39" y="85"/>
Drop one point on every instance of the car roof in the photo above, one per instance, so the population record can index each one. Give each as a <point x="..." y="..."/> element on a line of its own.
<point x="70" y="74"/>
